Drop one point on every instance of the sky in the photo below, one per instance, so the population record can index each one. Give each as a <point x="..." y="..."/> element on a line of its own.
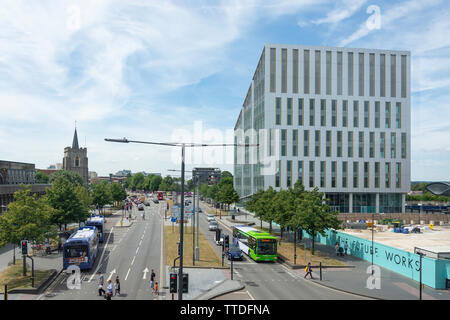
<point x="169" y="71"/>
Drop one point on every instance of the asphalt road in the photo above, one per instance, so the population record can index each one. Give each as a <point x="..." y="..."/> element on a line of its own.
<point x="129" y="252"/>
<point x="271" y="280"/>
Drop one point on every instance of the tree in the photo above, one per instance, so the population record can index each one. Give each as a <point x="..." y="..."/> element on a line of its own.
<point x="155" y="182"/>
<point x="28" y="217"/>
<point x="118" y="193"/>
<point x="226" y="174"/>
<point x="284" y="208"/>
<point x="203" y="190"/>
<point x="257" y="205"/>
<point x="71" y="176"/>
<point x="138" y="181"/>
<point x="41" y="177"/>
<point x="101" y="194"/>
<point x="314" y="215"/>
<point x="166" y="184"/>
<point x="228" y="195"/>
<point x="190" y="185"/>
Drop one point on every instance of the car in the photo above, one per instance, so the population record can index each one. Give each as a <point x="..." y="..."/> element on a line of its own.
<point x="155" y="200"/>
<point x="146" y="203"/>
<point x="234" y="253"/>
<point x="210" y="217"/>
<point x="199" y="210"/>
<point x="141" y="207"/>
<point x="213" y="225"/>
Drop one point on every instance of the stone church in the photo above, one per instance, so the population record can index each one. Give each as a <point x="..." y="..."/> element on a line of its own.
<point x="75" y="159"/>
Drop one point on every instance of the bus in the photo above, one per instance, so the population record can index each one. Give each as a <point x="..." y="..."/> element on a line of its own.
<point x="160" y="195"/>
<point x="99" y="222"/>
<point x="81" y="248"/>
<point x="258" y="245"/>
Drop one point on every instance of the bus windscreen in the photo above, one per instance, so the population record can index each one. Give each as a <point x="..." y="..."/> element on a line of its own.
<point x="266" y="246"/>
<point x="76" y="251"/>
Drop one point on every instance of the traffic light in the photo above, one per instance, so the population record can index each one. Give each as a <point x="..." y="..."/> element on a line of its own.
<point x="185" y="282"/>
<point x="226" y="239"/>
<point x="173" y="283"/>
<point x="24" y="246"/>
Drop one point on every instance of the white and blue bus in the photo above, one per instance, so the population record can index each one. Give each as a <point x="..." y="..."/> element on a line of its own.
<point x="99" y="222"/>
<point x="81" y="248"/>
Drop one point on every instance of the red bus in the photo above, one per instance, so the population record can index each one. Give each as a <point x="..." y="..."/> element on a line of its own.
<point x="160" y="196"/>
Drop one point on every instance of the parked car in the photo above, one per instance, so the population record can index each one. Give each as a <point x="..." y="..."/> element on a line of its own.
<point x="146" y="203"/>
<point x="210" y="217"/>
<point x="155" y="200"/>
<point x="141" y="207"/>
<point x="234" y="253"/>
<point x="213" y="225"/>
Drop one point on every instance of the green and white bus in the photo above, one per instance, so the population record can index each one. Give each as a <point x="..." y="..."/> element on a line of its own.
<point x="258" y="245"/>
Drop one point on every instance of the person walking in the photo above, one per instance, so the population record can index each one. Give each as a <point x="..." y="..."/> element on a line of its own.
<point x="308" y="270"/>
<point x="109" y="290"/>
<point x="345" y="247"/>
<point x="152" y="279"/>
<point x="117" y="288"/>
<point x="101" y="291"/>
<point x="336" y="246"/>
<point x="156" y="290"/>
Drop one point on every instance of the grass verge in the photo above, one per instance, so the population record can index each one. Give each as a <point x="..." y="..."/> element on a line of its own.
<point x="208" y="257"/>
<point x="13" y="276"/>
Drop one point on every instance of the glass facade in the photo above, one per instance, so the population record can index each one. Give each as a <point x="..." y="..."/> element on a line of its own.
<point x="300" y="112"/>
<point x="328" y="143"/>
<point x="289" y="111"/>
<point x="355" y="114"/>
<point x="339" y="72"/>
<point x="390" y="202"/>
<point x="295" y="70"/>
<point x="355" y="174"/>
<point x="317" y="72"/>
<point x="350" y="73"/>
<point x="300" y="171"/>
<point x="283" y="70"/>
<point x="328" y="72"/>
<point x="333" y="113"/>
<point x="278" y="111"/>
<point x="294" y="142"/>
<point x="311" y="174"/>
<point x="344" y="113"/>
<point x="338" y="201"/>
<point x="306" y="80"/>
<point x="311" y="112"/>
<point x="322" y="174"/>
<point x="364" y="202"/>
<point x="273" y="55"/>
<point x="306" y="143"/>
<point x="323" y="112"/>
<point x="361" y="74"/>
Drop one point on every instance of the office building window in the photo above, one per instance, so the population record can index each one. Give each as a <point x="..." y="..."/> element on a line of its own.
<point x="328" y="143"/>
<point x="382" y="75"/>
<point x="283" y="70"/>
<point x="366" y="174"/>
<point x="289" y="173"/>
<point x="355" y="174"/>
<point x="398" y="175"/>
<point x="372" y="74"/>
<point x="333" y="174"/>
<point x="403" y="145"/>
<point x="328" y="71"/>
<point x="344" y="174"/>
<point x="283" y="142"/>
<point x="366" y="114"/>
<point x="294" y="142"/>
<point x="387" y="170"/>
<point x="377" y="114"/>
<point x="323" y="113"/>
<point x="295" y="70"/>
<point x="306" y="71"/>
<point x="339" y="144"/>
<point x="361" y="74"/>
<point x="277" y="174"/>
<point x="377" y="174"/>
<point x="311" y="112"/>
<point x="403" y="76"/>
<point x="322" y="174"/>
<point x="344" y="113"/>
<point x="272" y="69"/>
<point x="382" y="144"/>
<point x="350" y="73"/>
<point x="333" y="113"/>
<point x="300" y="171"/>
<point x="393" y="145"/>
<point x="317" y="143"/>
<point x="278" y="111"/>
<point x="289" y="111"/>
<point x="398" y="115"/>
<point x="361" y="144"/>
<point x="339" y="72"/>
<point x="311" y="174"/>
<point x="272" y="141"/>
<point x="300" y="111"/>
<point x="388" y="115"/>
<point x="355" y="114"/>
<point x="350" y="144"/>
<point x="372" y="144"/>
<point x="393" y="76"/>
<point x="306" y="143"/>
<point x="317" y="72"/>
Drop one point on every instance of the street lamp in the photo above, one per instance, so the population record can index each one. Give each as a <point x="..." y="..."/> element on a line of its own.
<point x="183" y="146"/>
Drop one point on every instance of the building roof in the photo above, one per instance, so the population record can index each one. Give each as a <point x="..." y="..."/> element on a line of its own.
<point x="439" y="188"/>
<point x="75" y="140"/>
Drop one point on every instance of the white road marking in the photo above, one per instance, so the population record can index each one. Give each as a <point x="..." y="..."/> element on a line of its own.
<point x="133" y="260"/>
<point x="140" y="242"/>
<point x="145" y="273"/>
<point x="110" y="275"/>
<point x="127" y="273"/>
<point x="137" y="250"/>
<point x="250" y="295"/>
<point x="101" y="258"/>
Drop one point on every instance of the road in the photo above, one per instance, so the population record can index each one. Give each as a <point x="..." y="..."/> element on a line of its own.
<point x="129" y="252"/>
<point x="270" y="280"/>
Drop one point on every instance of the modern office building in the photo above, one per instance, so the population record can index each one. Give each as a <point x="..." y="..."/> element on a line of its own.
<point x="335" y="118"/>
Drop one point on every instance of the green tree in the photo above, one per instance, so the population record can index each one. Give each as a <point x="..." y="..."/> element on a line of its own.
<point x="101" y="194"/>
<point x="138" y="181"/>
<point x="70" y="176"/>
<point x="314" y="215"/>
<point x="257" y="205"/>
<point x="226" y="174"/>
<point x="27" y="218"/>
<point x="118" y="193"/>
<point x="227" y="195"/>
<point x="203" y="189"/>
<point x="41" y="177"/>
<point x="155" y="183"/>
<point x="166" y="184"/>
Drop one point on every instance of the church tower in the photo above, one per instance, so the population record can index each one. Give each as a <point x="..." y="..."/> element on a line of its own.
<point x="75" y="159"/>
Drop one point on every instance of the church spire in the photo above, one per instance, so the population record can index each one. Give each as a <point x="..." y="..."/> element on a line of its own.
<point x="75" y="140"/>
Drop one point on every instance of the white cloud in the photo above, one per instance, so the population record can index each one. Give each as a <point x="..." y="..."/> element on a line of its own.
<point x="344" y="10"/>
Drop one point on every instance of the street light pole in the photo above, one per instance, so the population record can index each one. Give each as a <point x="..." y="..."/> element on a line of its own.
<point x="372" y="243"/>
<point x="193" y="222"/>
<point x="180" y="271"/>
<point x="197" y="249"/>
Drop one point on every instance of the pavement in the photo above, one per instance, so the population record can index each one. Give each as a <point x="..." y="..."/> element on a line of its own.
<point x="351" y="280"/>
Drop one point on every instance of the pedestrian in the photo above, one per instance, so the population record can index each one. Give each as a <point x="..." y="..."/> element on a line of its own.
<point x="109" y="290"/>
<point x="47" y="248"/>
<point x="156" y="290"/>
<point x="59" y="245"/>
<point x="345" y="247"/>
<point x="336" y="246"/>
<point x="152" y="279"/>
<point x="308" y="270"/>
<point x="117" y="286"/>
<point x="101" y="291"/>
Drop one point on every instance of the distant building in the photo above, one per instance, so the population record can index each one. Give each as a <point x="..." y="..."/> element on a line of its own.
<point x="123" y="173"/>
<point x="76" y="160"/>
<point x="57" y="166"/>
<point x="12" y="174"/>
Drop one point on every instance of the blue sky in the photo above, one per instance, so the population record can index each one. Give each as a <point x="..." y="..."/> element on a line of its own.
<point x="144" y="69"/>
